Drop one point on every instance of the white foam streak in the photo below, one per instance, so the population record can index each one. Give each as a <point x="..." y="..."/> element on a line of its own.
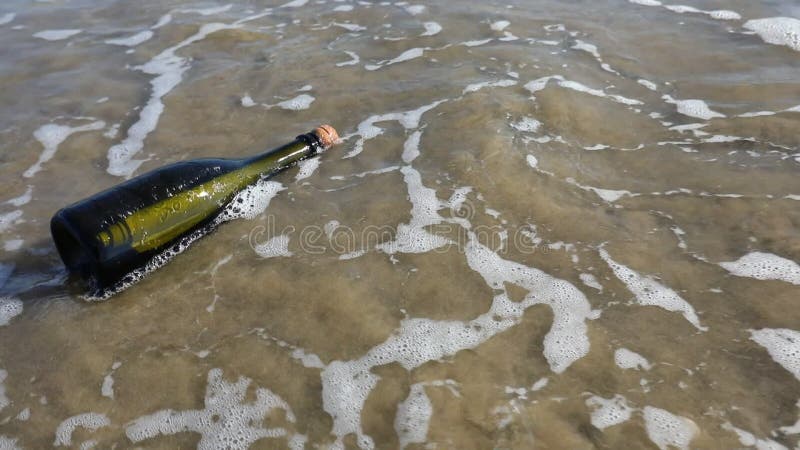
<point x="168" y="69"/>
<point x="208" y="11"/>
<point x="56" y="35"/>
<point x="407" y="55"/>
<point x="408" y="119"/>
<point x="354" y="59"/>
<point x="484" y="84"/>
<point x="783" y="345"/>
<point x="537" y="85"/>
<point x="51" y="136"/>
<point x="649" y="292"/>
<point x="23" y="199"/>
<point x="91" y="421"/>
<point x="347" y="384"/>
<point x="132" y="41"/>
<point x="411" y="147"/>
<point x="750" y="440"/>
<point x="412" y="237"/>
<point x="10" y="218"/>
<point x="226" y="421"/>
<point x="7" y="18"/>
<point x="431" y="28"/>
<point x="294" y="4"/>
<point x="777" y="30"/>
<point x="413" y="416"/>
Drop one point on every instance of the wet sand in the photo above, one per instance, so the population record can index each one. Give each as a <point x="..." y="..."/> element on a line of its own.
<point x="518" y="243"/>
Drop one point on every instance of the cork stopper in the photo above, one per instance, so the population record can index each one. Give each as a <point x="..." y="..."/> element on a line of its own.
<point x="327" y="136"/>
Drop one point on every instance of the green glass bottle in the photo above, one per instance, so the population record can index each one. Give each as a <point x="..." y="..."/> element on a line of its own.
<point x="108" y="236"/>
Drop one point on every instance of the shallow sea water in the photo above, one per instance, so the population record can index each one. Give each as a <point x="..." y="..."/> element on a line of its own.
<point x="550" y="224"/>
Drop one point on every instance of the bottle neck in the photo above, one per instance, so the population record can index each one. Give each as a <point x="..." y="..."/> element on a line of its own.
<point x="302" y="147"/>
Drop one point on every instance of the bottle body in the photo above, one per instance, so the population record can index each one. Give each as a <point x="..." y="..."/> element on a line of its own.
<point x="108" y="235"/>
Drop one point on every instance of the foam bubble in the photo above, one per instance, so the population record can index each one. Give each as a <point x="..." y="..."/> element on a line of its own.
<point x="307" y="168"/>
<point x="276" y="246"/>
<point x="51" y="136"/>
<point x="302" y="101"/>
<point x="652" y="293"/>
<point x="56" y="35"/>
<point x="764" y="266"/>
<point x="9" y="308"/>
<point x="132" y="41"/>
<point x="431" y="28"/>
<point x="343" y="8"/>
<point x="247" y="101"/>
<point x="527" y="124"/>
<point x="251" y="201"/>
<point x="666" y="429"/>
<point x="413" y="416"/>
<point x="226" y="422"/>
<point x="627" y="359"/>
<point x="693" y="108"/>
<point x="7" y="18"/>
<point x="499" y="25"/>
<point x="91" y="421"/>
<point x="777" y="30"/>
<point x="532" y="161"/>
<point x="782" y="344"/>
<point x="646" y="2"/>
<point x="609" y="412"/>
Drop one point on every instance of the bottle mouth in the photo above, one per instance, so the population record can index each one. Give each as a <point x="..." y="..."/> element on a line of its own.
<point x="73" y="251"/>
<point x="327" y="136"/>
